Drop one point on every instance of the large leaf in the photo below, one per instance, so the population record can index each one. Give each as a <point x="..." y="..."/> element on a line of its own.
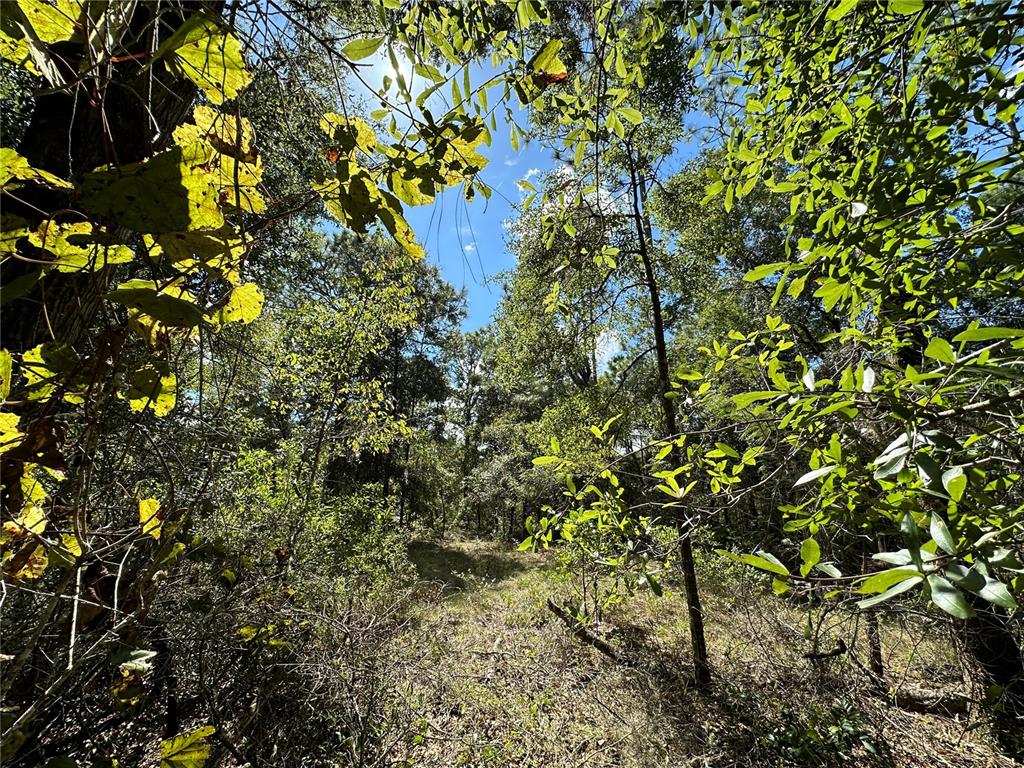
<point x="883" y="580"/>
<point x="149" y="518"/>
<point x="814" y="474"/>
<point x="939" y="531"/>
<point x="244" y="305"/>
<point x="171" y="305"/>
<point x="15" y="168"/>
<point x="152" y="387"/>
<point x="79" y="247"/>
<point x="48" y="366"/>
<point x="361" y="48"/>
<point x="228" y="134"/>
<point x="10" y="434"/>
<point x="889" y="594"/>
<point x="348" y="132"/>
<point x="189" y="750"/>
<point x="219" y="252"/>
<point x="810" y="554"/>
<point x="546" y="62"/>
<point x="948" y="598"/>
<point x="173" y="191"/>
<point x="6" y="366"/>
<point x="208" y="55"/>
<point x="53" y="21"/>
<point x="762" y="561"/>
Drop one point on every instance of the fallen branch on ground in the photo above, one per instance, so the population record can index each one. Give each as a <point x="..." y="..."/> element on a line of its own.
<point x="584" y="635"/>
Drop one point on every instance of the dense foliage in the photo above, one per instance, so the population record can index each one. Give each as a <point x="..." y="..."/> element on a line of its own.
<point x="765" y="320"/>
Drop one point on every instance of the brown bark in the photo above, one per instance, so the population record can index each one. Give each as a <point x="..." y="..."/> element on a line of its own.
<point x="584" y="635"/>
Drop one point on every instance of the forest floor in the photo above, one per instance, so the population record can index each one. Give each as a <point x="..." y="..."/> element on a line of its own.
<point x="492" y="678"/>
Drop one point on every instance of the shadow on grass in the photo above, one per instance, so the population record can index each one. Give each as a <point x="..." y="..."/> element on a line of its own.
<point x="459" y="570"/>
<point x="743" y="723"/>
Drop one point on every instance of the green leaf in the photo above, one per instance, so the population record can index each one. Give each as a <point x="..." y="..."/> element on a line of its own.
<point x="747" y="398"/>
<point x="762" y="561"/>
<point x="632" y="115"/>
<point x="153" y="387"/>
<point x="546" y="62"/>
<point x="763" y="271"/>
<point x="615" y="125"/>
<point x="955" y="482"/>
<point x="208" y="55"/>
<point x="814" y="474"/>
<point x="653" y="584"/>
<point x="189" y="750"/>
<point x="171" y="305"/>
<point x="883" y="580"/>
<point x="906" y="7"/>
<point x="996" y="593"/>
<point x="941" y="534"/>
<point x="948" y="598"/>
<point x="890" y="593"/>
<point x="840" y="9"/>
<point x="987" y="334"/>
<point x="830" y="570"/>
<point x="48" y="365"/>
<point x="940" y="349"/>
<point x="810" y="554"/>
<point x="359" y="49"/>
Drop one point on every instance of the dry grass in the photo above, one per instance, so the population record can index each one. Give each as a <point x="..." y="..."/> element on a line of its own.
<point x="491" y="678"/>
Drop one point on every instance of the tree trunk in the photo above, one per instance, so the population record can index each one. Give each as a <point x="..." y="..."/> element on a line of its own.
<point x="992" y="643"/>
<point x="702" y="667"/>
<point x="75" y="130"/>
<point x="875" y="661"/>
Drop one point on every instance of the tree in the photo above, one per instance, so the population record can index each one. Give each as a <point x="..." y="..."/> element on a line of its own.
<point x="893" y="138"/>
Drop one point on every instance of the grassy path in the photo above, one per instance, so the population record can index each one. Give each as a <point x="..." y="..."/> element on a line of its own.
<point x="494" y="680"/>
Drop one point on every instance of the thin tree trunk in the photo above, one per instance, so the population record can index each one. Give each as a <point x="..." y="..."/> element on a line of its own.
<point x="702" y="667"/>
<point x="875" y="662"/>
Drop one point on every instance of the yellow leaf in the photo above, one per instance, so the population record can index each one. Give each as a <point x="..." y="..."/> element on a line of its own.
<point x="53" y="21"/>
<point x="10" y="435"/>
<point x="229" y="135"/>
<point x="148" y="517"/>
<point x="244" y="305"/>
<point x="209" y="56"/>
<point x="172" y="191"/>
<point x="78" y="247"/>
<point x="14" y="166"/>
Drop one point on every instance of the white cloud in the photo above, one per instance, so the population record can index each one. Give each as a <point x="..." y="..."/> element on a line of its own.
<point x="469" y="247"/>
<point x="510" y="161"/>
<point x="531" y="173"/>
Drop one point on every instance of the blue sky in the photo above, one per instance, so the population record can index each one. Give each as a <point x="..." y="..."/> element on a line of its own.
<point x="467" y="240"/>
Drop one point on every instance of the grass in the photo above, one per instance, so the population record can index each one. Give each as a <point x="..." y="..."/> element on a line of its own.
<point x="491" y="678"/>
